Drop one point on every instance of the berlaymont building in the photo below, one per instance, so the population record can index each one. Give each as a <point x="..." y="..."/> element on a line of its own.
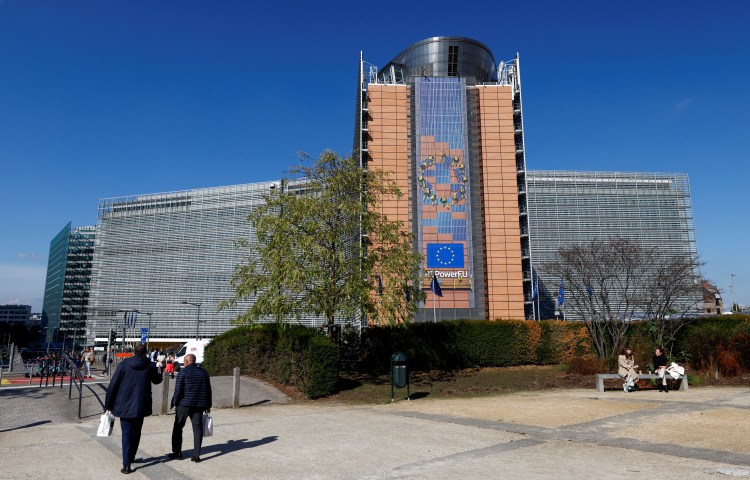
<point x="164" y="262"/>
<point x="445" y="117"/>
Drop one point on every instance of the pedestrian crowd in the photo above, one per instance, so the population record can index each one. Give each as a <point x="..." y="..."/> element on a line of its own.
<point x="165" y="362"/>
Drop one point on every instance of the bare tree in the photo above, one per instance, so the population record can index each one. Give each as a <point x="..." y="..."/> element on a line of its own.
<point x="670" y="296"/>
<point x="610" y="283"/>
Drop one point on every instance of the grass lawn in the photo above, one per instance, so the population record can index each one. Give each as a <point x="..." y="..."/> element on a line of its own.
<point x="457" y="384"/>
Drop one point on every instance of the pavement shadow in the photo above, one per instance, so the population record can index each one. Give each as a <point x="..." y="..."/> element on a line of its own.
<point x="27" y="392"/>
<point x="217" y="450"/>
<point x="259" y="402"/>
<point x="92" y="399"/>
<point x="28" y="425"/>
<point x="212" y="451"/>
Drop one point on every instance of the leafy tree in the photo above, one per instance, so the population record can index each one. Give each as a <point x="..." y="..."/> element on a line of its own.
<point x="610" y="283"/>
<point x="323" y="248"/>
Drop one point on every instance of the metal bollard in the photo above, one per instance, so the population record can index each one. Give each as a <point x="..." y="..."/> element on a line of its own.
<point x="236" y="388"/>
<point x="164" y="394"/>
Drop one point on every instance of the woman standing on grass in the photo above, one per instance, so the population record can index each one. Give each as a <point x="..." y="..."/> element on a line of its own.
<point x="627" y="369"/>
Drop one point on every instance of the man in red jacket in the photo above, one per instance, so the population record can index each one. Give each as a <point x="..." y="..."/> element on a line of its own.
<point x="192" y="397"/>
<point x="129" y="397"/>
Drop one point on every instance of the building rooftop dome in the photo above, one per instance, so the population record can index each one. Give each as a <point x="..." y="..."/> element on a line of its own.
<point x="447" y="56"/>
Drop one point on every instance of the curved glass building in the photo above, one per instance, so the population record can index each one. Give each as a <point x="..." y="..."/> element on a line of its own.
<point x="447" y="57"/>
<point x="445" y="119"/>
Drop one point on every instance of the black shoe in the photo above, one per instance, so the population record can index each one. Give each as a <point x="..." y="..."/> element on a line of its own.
<point x="174" y="455"/>
<point x="126" y="470"/>
<point x="195" y="459"/>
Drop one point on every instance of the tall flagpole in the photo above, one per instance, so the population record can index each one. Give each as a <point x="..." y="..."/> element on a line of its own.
<point x="434" y="314"/>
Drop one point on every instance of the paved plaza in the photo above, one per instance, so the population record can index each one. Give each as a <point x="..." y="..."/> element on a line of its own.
<point x="582" y="434"/>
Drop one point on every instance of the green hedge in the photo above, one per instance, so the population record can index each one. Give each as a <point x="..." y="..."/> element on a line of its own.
<point x="309" y="361"/>
<point x="471" y="343"/>
<point x="289" y="354"/>
<point x="719" y="344"/>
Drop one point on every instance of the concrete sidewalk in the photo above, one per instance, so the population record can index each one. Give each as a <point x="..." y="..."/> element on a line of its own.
<point x="577" y="434"/>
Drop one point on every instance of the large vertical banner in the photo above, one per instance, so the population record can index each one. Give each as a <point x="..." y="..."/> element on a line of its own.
<point x="444" y="211"/>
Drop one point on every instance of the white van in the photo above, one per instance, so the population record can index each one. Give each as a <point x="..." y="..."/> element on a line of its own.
<point x="196" y="347"/>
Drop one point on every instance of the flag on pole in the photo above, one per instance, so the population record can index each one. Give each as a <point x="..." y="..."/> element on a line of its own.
<point x="590" y="291"/>
<point x="535" y="291"/>
<point x="435" y="285"/>
<point x="561" y="293"/>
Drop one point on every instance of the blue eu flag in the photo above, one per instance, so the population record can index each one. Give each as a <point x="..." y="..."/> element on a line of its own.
<point x="445" y="255"/>
<point x="561" y="293"/>
<point x="435" y="285"/>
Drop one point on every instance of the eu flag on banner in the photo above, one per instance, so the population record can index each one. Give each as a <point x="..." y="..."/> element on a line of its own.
<point x="435" y="285"/>
<point x="445" y="255"/>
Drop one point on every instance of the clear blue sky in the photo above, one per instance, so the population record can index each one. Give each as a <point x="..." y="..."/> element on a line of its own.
<point x="109" y="98"/>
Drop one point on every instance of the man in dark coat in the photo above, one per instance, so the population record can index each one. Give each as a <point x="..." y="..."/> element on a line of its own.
<point x="129" y="397"/>
<point x="192" y="397"/>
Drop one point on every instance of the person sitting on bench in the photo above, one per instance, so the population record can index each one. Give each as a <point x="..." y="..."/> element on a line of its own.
<point x="627" y="369"/>
<point x="660" y="368"/>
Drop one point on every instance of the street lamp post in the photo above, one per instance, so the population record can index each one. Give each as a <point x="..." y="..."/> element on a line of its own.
<point x="198" y="320"/>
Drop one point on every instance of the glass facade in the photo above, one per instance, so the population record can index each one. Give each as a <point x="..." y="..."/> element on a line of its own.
<point x="443" y="188"/>
<point x="568" y="207"/>
<point x="66" y="291"/>
<point x="171" y="257"/>
<point x="446" y="120"/>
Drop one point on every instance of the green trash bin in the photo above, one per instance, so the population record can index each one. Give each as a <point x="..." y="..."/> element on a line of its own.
<point x="399" y="373"/>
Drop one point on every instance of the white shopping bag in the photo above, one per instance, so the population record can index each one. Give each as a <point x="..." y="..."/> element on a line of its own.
<point x="675" y="370"/>
<point x="106" y="424"/>
<point x="208" y="425"/>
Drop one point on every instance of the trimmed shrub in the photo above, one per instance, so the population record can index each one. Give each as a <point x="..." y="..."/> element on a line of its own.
<point x="460" y="344"/>
<point x="289" y="354"/>
<point x="586" y="366"/>
<point x="717" y="345"/>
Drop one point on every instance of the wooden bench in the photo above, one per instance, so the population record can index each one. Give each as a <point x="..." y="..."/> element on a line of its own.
<point x="600" y="377"/>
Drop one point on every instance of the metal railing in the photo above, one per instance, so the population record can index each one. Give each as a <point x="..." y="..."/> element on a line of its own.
<point x="75" y="372"/>
<point x="58" y="367"/>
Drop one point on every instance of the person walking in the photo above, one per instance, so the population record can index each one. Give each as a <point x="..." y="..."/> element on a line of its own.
<point x="88" y="360"/>
<point x="192" y="397"/>
<point x="129" y="397"/>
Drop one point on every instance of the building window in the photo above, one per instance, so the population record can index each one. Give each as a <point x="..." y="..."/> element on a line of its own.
<point x="453" y="61"/>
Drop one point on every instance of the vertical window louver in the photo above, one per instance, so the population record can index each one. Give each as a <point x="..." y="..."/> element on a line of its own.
<point x="453" y="61"/>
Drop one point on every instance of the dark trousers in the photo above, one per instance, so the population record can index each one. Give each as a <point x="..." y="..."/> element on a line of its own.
<point x="131" y="437"/>
<point x="196" y="418"/>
